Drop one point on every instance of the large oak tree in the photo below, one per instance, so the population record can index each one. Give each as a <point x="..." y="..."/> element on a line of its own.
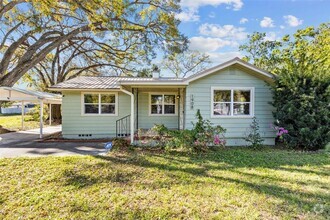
<point x="120" y="35"/>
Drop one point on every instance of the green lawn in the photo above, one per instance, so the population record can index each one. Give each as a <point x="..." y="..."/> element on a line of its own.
<point x="225" y="184"/>
<point x="13" y="122"/>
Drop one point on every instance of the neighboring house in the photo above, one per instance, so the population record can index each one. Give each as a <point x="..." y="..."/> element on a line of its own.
<point x="16" y="108"/>
<point x="229" y="95"/>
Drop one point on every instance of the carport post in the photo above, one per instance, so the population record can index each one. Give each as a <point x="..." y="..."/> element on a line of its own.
<point x="41" y="116"/>
<point x="50" y="114"/>
<point x="23" y="109"/>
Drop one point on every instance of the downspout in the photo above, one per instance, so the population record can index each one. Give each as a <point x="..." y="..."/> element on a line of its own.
<point x="179" y="113"/>
<point x="137" y="108"/>
<point x="132" y="112"/>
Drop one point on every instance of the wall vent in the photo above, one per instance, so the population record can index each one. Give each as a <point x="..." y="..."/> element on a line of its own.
<point x="85" y="135"/>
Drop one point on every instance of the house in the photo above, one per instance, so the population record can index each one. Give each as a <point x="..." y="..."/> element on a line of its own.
<point x="16" y="108"/>
<point x="229" y="95"/>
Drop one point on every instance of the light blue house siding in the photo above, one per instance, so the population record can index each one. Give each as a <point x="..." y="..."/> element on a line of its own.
<point x="146" y="120"/>
<point x="98" y="126"/>
<point x="77" y="125"/>
<point x="200" y="89"/>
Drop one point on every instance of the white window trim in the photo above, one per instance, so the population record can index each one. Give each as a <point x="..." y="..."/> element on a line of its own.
<point x="163" y="114"/>
<point x="98" y="114"/>
<point x="232" y="102"/>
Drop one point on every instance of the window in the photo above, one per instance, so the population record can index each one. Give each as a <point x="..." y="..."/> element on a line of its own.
<point x="162" y="104"/>
<point x="99" y="103"/>
<point x="232" y="102"/>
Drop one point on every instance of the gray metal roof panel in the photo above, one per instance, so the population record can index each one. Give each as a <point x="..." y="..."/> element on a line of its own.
<point x="107" y="82"/>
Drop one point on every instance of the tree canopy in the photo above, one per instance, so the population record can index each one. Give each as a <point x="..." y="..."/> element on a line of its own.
<point x="117" y="35"/>
<point x="186" y="63"/>
<point x="307" y="49"/>
<point x="301" y="89"/>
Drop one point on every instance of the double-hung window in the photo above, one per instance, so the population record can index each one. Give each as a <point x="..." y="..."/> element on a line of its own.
<point x="232" y="102"/>
<point x="162" y="104"/>
<point x="99" y="104"/>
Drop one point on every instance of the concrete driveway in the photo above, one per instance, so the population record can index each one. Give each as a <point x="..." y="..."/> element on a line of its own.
<point x="26" y="143"/>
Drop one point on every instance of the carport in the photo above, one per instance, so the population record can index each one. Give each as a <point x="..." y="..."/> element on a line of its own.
<point x="12" y="94"/>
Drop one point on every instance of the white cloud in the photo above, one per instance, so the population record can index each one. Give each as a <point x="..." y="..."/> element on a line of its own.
<point x="235" y="4"/>
<point x="188" y="15"/>
<point x="282" y="26"/>
<point x="292" y="21"/>
<point x="243" y="20"/>
<point x="209" y="44"/>
<point x="218" y="58"/>
<point x="190" y="7"/>
<point x="226" y="31"/>
<point x="267" y="22"/>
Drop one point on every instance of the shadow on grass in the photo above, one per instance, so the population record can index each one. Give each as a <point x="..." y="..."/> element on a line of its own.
<point x="321" y="173"/>
<point x="81" y="180"/>
<point x="231" y="161"/>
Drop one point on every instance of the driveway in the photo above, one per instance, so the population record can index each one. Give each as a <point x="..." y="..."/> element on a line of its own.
<point x="27" y="144"/>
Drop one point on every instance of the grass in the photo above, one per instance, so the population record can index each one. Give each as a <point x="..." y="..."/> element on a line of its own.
<point x="13" y="122"/>
<point x="225" y="184"/>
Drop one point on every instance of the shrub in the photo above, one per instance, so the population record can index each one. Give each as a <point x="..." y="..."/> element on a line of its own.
<point x="327" y="147"/>
<point x="180" y="139"/>
<point x="160" y="135"/>
<point x="301" y="102"/>
<point x="253" y="136"/>
<point x="35" y="113"/>
<point x="199" y="138"/>
<point x="202" y="136"/>
<point x="205" y="134"/>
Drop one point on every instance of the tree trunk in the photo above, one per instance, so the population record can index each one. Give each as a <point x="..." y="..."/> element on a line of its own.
<point x="56" y="113"/>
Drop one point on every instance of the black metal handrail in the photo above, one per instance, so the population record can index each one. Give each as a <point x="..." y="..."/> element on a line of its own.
<point x="123" y="126"/>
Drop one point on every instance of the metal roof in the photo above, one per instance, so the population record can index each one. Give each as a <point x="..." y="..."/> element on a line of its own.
<point x="114" y="82"/>
<point x="109" y="82"/>
<point x="18" y="94"/>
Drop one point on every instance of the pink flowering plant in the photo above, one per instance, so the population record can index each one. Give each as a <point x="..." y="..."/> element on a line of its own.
<point x="200" y="138"/>
<point x="280" y="131"/>
<point x="219" y="141"/>
<point x="206" y="134"/>
<point x="282" y="134"/>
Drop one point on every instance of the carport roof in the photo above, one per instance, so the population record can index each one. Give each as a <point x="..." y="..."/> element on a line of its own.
<point x="18" y="94"/>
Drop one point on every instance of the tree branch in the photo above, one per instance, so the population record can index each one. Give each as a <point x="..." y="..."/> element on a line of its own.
<point x="9" y="6"/>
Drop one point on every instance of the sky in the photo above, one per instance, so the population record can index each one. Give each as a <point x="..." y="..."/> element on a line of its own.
<point x="218" y="27"/>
